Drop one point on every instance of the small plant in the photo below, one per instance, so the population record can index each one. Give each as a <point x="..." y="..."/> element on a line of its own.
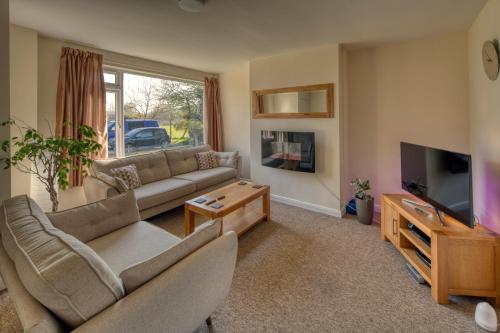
<point x="48" y="158"/>
<point x="360" y="188"/>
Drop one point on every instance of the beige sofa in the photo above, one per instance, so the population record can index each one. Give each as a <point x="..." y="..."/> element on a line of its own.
<point x="168" y="177"/>
<point x="97" y="268"/>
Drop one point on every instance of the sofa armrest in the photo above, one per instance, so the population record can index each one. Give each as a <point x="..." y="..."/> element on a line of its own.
<point x="95" y="189"/>
<point x="34" y="317"/>
<point x="177" y="300"/>
<point x="239" y="166"/>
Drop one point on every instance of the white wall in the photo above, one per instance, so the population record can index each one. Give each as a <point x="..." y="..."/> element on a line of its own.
<point x="4" y="90"/>
<point x="235" y="101"/>
<point x="23" y="91"/>
<point x="485" y="120"/>
<point x="312" y="66"/>
<point x="415" y="91"/>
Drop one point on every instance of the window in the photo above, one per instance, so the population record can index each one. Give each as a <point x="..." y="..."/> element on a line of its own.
<point x="147" y="113"/>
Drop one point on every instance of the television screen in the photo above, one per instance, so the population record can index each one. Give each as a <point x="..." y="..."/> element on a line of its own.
<point x="441" y="178"/>
<point x="288" y="150"/>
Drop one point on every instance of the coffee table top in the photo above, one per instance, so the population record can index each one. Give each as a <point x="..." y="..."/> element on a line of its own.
<point x="235" y="196"/>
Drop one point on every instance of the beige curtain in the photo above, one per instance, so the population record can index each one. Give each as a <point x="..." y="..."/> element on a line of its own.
<point x="213" y="114"/>
<point x="81" y="100"/>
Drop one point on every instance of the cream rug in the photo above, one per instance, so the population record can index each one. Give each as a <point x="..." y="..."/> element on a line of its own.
<point x="308" y="272"/>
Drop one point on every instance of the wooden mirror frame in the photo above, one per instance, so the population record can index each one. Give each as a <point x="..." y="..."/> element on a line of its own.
<point x="329" y="96"/>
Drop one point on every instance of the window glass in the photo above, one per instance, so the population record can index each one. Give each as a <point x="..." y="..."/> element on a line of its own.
<point x="173" y="106"/>
<point x="171" y="109"/>
<point x="110" y="77"/>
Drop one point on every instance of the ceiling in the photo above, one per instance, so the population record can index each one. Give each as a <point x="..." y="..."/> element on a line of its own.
<point x="229" y="32"/>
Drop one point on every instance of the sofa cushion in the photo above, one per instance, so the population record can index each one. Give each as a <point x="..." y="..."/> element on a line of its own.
<point x="227" y="159"/>
<point x="99" y="218"/>
<point x="150" y="167"/>
<point x="62" y="273"/>
<point x="184" y="160"/>
<point x="209" y="177"/>
<point x="140" y="273"/>
<point x="162" y="191"/>
<point x="132" y="244"/>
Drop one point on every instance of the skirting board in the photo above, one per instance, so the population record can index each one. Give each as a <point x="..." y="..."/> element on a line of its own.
<point x="308" y="206"/>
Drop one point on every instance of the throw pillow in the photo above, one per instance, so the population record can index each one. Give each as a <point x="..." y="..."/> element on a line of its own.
<point x="206" y="160"/>
<point x="129" y="175"/>
<point x="227" y="159"/>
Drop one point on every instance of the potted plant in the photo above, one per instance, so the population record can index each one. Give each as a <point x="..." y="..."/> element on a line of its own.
<point x="364" y="201"/>
<point x="48" y="158"/>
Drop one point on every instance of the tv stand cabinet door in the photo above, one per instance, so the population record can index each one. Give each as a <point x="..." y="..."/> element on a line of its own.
<point x="390" y="219"/>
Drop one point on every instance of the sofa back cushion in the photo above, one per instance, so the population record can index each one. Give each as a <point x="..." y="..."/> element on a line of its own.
<point x="62" y="273"/>
<point x="136" y="275"/>
<point x="184" y="160"/>
<point x="97" y="219"/>
<point x="151" y="167"/>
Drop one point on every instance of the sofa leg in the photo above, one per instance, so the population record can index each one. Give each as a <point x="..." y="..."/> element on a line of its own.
<point x="209" y="321"/>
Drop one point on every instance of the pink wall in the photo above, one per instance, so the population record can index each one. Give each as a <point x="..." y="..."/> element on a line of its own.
<point x="414" y="91"/>
<point x="485" y="120"/>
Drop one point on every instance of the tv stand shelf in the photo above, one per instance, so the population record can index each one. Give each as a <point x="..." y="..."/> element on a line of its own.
<point x="464" y="261"/>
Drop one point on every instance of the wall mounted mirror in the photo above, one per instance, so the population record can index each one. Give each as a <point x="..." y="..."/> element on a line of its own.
<point x="314" y="101"/>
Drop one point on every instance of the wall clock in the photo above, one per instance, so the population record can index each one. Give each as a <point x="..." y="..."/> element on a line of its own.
<point x="491" y="60"/>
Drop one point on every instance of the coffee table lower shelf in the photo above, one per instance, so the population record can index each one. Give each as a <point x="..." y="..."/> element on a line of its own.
<point x="235" y="211"/>
<point x="241" y="220"/>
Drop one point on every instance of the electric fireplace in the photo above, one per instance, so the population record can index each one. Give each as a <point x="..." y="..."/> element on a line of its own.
<point x="288" y="150"/>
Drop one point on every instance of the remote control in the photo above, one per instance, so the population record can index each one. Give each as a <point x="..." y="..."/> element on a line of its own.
<point x="200" y="200"/>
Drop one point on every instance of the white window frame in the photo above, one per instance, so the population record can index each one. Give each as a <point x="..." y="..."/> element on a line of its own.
<point x="118" y="88"/>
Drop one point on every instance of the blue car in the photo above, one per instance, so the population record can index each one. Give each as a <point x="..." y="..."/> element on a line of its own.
<point x="131" y="124"/>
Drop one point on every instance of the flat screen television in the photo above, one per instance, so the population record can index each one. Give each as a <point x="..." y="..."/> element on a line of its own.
<point x="288" y="150"/>
<point x="440" y="177"/>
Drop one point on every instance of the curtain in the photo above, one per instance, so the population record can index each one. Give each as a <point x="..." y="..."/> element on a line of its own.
<point x="213" y="114"/>
<point x="81" y="100"/>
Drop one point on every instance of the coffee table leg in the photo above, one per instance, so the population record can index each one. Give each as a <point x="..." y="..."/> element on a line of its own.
<point x="266" y="205"/>
<point x="188" y="221"/>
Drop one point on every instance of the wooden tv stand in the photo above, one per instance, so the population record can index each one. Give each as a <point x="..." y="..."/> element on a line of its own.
<point x="464" y="261"/>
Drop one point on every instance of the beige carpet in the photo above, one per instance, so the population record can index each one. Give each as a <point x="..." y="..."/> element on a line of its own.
<point x="307" y="272"/>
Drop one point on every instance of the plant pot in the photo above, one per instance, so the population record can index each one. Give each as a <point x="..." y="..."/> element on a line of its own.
<point x="364" y="209"/>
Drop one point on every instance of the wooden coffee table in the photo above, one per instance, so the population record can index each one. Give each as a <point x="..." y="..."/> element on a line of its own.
<point x="234" y="213"/>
